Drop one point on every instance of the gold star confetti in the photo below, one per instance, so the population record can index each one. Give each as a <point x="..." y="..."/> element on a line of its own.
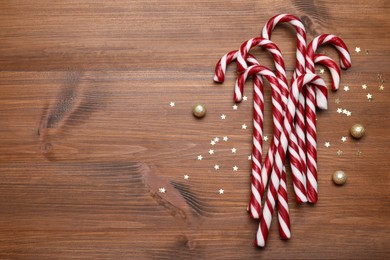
<point x="344" y="138"/>
<point x="223" y="116"/>
<point x="339" y="110"/>
<point x="216" y="167"/>
<point x="339" y="152"/>
<point x="327" y="144"/>
<point x="216" y="139"/>
<point x="211" y="151"/>
<point x="249" y="157"/>
<point x="235" y="107"/>
<point x="346" y="88"/>
<point x="186" y="177"/>
<point x="245" y="98"/>
<point x="212" y="142"/>
<point x="200" y="157"/>
<point x="221" y="191"/>
<point x="337" y="100"/>
<point x="265" y="138"/>
<point x="381" y="87"/>
<point x="162" y="190"/>
<point x="358" y="153"/>
<point x="369" y="97"/>
<point x="234" y="150"/>
<point x="172" y="104"/>
<point x="322" y="71"/>
<point x="364" y="86"/>
<point x="235" y="168"/>
<point x="357" y="49"/>
<point x="225" y="138"/>
<point x="244" y="126"/>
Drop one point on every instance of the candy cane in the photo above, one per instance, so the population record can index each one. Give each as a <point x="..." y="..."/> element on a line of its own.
<point x="299" y="70"/>
<point x="288" y="120"/>
<point x="298" y="176"/>
<point x="311" y="128"/>
<point x="277" y="112"/>
<point x="332" y="66"/>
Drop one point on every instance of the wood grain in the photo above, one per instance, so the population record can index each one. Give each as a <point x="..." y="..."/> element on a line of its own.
<point x="87" y="135"/>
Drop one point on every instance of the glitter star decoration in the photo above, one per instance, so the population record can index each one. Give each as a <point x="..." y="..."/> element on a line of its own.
<point x="162" y="190"/>
<point x="200" y="157"/>
<point x="327" y="144"/>
<point x="212" y="142"/>
<point x="172" y="104"/>
<point x="244" y="126"/>
<point x="344" y="138"/>
<point x="245" y="98"/>
<point x="339" y="152"/>
<point x="337" y="100"/>
<point x="322" y="71"/>
<point x="249" y="157"/>
<point x="223" y="116"/>
<point x="216" y="167"/>
<point x="339" y="110"/>
<point x="221" y="191"/>
<point x="235" y="168"/>
<point x="186" y="177"/>
<point x="381" y="87"/>
<point x="364" y="86"/>
<point x="211" y="151"/>
<point x="235" y="107"/>
<point x="265" y="138"/>
<point x="357" y="49"/>
<point x="346" y="88"/>
<point x="234" y="150"/>
<point x="369" y="97"/>
<point x="225" y="138"/>
<point x="216" y="139"/>
<point x="349" y="113"/>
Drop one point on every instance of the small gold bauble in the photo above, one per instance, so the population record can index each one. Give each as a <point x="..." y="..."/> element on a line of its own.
<point x="339" y="177"/>
<point x="357" y="131"/>
<point x="199" y="110"/>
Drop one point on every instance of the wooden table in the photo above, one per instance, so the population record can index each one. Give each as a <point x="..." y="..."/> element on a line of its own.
<point x="88" y="136"/>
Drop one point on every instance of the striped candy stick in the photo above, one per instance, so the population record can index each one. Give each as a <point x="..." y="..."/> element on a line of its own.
<point x="277" y="112"/>
<point x="332" y="66"/>
<point x="299" y="70"/>
<point x="298" y="176"/>
<point x="288" y="121"/>
<point x="311" y="128"/>
<point x="255" y="202"/>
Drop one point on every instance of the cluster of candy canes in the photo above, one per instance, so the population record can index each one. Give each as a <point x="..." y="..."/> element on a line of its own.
<point x="294" y="119"/>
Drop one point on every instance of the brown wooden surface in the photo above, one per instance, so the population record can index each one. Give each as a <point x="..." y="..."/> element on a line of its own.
<point x="87" y="135"/>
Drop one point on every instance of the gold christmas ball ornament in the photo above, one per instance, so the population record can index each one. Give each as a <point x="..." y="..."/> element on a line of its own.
<point x="357" y="131"/>
<point x="339" y="177"/>
<point x="199" y="110"/>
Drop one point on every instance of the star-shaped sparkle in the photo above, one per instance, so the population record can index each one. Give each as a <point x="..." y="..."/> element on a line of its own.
<point x="211" y="151"/>
<point x="344" y="138"/>
<point x="327" y="144"/>
<point x="200" y="157"/>
<point x="369" y="97"/>
<point x="339" y="110"/>
<point x="235" y="107"/>
<point x="234" y="150"/>
<point x="322" y="71"/>
<point x="221" y="191"/>
<point x="212" y="142"/>
<point x="346" y="88"/>
<point x="357" y="49"/>
<point x="381" y="87"/>
<point x="172" y="104"/>
<point x="162" y="190"/>
<point x="245" y="98"/>
<point x="216" y="139"/>
<point x="235" y="168"/>
<point x="337" y="100"/>
<point x="265" y="138"/>
<point x="345" y="111"/>
<point x="249" y="157"/>
<point x="186" y="177"/>
<point x="364" y="86"/>
<point x="223" y="116"/>
<point x="225" y="138"/>
<point x="339" y="152"/>
<point x="244" y="126"/>
<point x="216" y="167"/>
<point x="349" y="113"/>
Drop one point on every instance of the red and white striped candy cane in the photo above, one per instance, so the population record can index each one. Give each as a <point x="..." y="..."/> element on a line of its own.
<point x="277" y="112"/>
<point x="298" y="176"/>
<point x="332" y="66"/>
<point x="311" y="128"/>
<point x="299" y="70"/>
<point x="288" y="122"/>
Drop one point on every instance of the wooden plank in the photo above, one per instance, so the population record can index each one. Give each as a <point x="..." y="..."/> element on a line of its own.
<point x="88" y="136"/>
